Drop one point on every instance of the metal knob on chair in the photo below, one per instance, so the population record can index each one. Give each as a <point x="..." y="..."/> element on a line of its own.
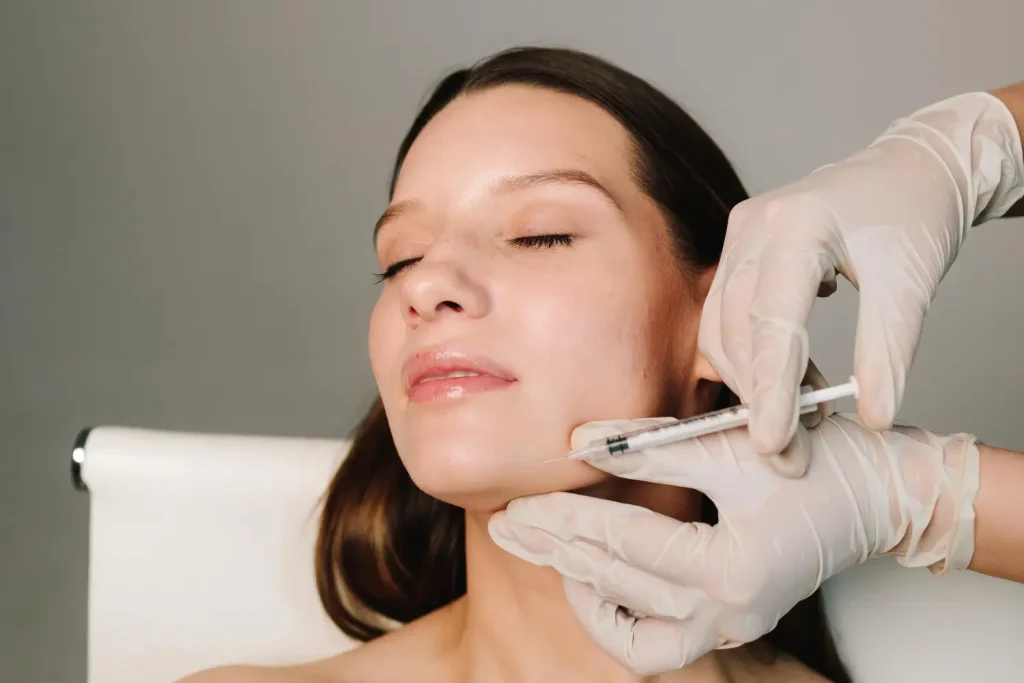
<point x="78" y="459"/>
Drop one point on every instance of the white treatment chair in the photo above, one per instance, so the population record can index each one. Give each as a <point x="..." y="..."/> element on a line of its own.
<point x="201" y="551"/>
<point x="201" y="554"/>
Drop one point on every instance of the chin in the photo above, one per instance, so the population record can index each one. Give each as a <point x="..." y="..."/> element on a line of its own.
<point x="481" y="475"/>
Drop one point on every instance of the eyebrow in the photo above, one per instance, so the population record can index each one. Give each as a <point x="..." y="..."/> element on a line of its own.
<point x="558" y="176"/>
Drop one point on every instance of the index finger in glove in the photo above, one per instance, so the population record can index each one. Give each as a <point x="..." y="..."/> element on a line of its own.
<point x="794" y="460"/>
<point x="790" y="272"/>
<point x="638" y="537"/>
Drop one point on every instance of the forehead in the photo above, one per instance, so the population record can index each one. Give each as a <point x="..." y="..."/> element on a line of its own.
<point x="511" y="130"/>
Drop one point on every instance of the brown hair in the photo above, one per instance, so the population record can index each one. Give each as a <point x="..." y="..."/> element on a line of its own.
<point x="386" y="550"/>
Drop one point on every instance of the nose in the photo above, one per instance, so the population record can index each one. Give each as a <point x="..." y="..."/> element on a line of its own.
<point x="434" y="289"/>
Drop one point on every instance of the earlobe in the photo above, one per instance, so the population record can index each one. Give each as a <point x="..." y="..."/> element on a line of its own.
<point x="708" y="385"/>
<point x="702" y="369"/>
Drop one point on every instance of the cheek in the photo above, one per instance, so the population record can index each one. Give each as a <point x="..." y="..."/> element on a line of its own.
<point x="592" y="344"/>
<point x="386" y="335"/>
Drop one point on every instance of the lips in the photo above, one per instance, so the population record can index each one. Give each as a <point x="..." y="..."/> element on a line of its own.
<point x="444" y="374"/>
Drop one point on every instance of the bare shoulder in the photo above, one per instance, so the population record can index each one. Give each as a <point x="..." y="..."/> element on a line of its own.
<point x="366" y="664"/>
<point x="419" y="649"/>
<point x="257" y="674"/>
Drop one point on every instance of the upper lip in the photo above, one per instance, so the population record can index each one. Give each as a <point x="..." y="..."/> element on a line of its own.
<point x="439" y="362"/>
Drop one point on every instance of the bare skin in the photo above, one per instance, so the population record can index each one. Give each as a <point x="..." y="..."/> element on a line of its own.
<point x="428" y="651"/>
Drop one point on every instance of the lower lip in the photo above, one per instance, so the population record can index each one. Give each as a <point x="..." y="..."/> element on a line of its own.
<point x="436" y="390"/>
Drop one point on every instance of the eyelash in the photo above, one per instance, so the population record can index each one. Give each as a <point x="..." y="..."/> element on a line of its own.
<point x="527" y="242"/>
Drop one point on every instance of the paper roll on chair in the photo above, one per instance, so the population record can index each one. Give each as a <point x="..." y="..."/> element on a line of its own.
<point x="201" y="553"/>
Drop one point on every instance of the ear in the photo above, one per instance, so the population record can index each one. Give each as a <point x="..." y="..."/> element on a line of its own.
<point x="702" y="369"/>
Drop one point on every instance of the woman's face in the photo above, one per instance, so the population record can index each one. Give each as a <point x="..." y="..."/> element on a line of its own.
<point x="529" y="289"/>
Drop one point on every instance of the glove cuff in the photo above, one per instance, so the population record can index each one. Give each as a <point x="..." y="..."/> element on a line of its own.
<point x="976" y="137"/>
<point x="936" y="486"/>
<point x="965" y="459"/>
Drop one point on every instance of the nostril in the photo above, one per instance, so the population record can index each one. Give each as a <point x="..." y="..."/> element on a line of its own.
<point x="414" y="313"/>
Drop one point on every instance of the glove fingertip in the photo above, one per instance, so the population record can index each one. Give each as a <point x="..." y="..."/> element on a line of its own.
<point x="790" y="465"/>
<point x="767" y="437"/>
<point x="878" y="400"/>
<point x="774" y="410"/>
<point x="498" y="523"/>
<point x="874" y="418"/>
<point x="795" y="459"/>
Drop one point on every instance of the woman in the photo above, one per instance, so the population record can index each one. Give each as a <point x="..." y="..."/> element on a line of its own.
<point x="553" y="229"/>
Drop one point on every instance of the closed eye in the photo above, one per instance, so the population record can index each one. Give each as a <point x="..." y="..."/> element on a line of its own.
<point x="395" y="268"/>
<point x="527" y="242"/>
<point x="540" y="241"/>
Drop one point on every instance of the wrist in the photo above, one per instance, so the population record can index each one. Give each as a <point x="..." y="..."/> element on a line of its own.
<point x="1013" y="98"/>
<point x="999" y="524"/>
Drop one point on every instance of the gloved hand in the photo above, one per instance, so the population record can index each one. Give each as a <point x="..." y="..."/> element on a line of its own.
<point x="691" y="587"/>
<point x="891" y="219"/>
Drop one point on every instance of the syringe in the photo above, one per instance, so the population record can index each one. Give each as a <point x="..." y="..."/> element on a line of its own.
<point x="701" y="425"/>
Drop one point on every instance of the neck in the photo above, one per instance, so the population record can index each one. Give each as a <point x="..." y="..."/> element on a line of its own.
<point x="517" y="624"/>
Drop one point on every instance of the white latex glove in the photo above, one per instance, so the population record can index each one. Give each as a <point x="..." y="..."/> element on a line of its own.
<point x="656" y="593"/>
<point x="891" y="219"/>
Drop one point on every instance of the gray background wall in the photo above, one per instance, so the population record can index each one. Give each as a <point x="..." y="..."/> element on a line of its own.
<point x="187" y="191"/>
